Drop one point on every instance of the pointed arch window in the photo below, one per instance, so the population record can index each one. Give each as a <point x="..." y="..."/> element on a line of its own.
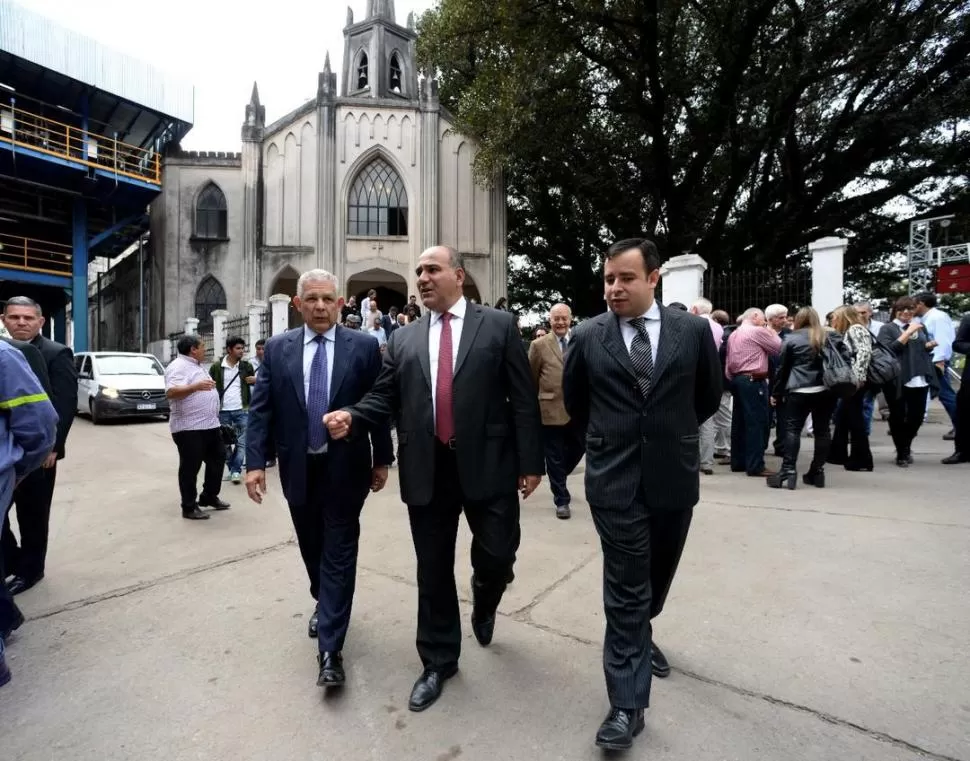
<point x="378" y="203"/>
<point x="396" y="74"/>
<point x="209" y="296"/>
<point x="211" y="218"/>
<point x="362" y="71"/>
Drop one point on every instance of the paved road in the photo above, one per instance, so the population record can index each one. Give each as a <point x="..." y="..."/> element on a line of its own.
<point x="814" y="624"/>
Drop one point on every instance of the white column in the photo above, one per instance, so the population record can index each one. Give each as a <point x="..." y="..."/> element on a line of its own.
<point x="219" y="330"/>
<point x="828" y="269"/>
<point x="191" y="326"/>
<point x="280" y="320"/>
<point x="255" y="310"/>
<point x="683" y="279"/>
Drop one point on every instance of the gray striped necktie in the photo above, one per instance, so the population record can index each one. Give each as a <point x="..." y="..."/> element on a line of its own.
<point x="641" y="355"/>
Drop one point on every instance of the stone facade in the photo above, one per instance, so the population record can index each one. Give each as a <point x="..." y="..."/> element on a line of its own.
<point x="296" y="196"/>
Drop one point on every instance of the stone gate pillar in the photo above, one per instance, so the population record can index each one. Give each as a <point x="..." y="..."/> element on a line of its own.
<point x="828" y="270"/>
<point x="219" y="331"/>
<point x="191" y="326"/>
<point x="255" y="309"/>
<point x="683" y="279"/>
<point x="280" y="319"/>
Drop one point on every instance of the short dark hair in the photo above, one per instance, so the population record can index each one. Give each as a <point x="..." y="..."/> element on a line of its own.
<point x="927" y="299"/>
<point x="677" y="305"/>
<point x="646" y="247"/>
<point x="261" y="342"/>
<point x="905" y="302"/>
<point x="187" y="343"/>
<point x="233" y="341"/>
<point x="23" y="301"/>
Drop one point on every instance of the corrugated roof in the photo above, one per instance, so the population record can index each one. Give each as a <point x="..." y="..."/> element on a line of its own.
<point x="39" y="40"/>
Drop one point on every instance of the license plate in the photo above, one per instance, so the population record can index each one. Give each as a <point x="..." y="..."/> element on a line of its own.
<point x="148" y="406"/>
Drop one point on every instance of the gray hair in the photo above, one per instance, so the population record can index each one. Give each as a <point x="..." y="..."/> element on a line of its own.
<point x="703" y="306"/>
<point x="314" y="276"/>
<point x="775" y="310"/>
<point x="866" y="304"/>
<point x="23" y="301"/>
<point x="749" y="314"/>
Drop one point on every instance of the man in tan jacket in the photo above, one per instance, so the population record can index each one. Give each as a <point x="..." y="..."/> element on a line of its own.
<point x="563" y="442"/>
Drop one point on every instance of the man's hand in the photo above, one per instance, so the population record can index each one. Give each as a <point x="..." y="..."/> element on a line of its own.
<point x="338" y="424"/>
<point x="931" y="344"/>
<point x="204" y="385"/>
<point x="256" y="485"/>
<point x="773" y="401"/>
<point x="941" y="366"/>
<point x="50" y="461"/>
<point x="528" y="484"/>
<point x="378" y="477"/>
<point x="251" y="379"/>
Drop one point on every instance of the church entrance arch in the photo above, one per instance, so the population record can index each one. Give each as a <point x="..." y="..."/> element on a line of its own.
<point x="285" y="282"/>
<point x="471" y="290"/>
<point x="392" y="290"/>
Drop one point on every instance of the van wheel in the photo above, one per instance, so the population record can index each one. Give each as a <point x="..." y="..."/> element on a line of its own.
<point x="95" y="417"/>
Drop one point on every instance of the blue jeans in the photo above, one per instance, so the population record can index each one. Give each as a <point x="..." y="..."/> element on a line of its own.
<point x="236" y="455"/>
<point x="868" y="409"/>
<point x="948" y="397"/>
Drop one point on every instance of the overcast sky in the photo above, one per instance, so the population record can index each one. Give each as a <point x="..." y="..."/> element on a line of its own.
<point x="221" y="50"/>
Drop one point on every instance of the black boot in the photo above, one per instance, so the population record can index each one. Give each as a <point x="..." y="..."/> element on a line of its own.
<point x="783" y="478"/>
<point x="815" y="477"/>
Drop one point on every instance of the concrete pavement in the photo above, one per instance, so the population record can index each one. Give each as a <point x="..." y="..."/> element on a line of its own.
<point x="813" y="624"/>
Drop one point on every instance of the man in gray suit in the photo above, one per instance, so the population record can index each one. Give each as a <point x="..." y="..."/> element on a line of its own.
<point x="639" y="379"/>
<point x="458" y="385"/>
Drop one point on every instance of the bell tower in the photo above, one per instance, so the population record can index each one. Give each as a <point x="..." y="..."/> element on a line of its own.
<point x="379" y="55"/>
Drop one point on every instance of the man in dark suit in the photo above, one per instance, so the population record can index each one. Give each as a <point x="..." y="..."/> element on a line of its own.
<point x="458" y="385"/>
<point x="305" y="372"/>
<point x="640" y="378"/>
<point x="34" y="359"/>
<point x="23" y="320"/>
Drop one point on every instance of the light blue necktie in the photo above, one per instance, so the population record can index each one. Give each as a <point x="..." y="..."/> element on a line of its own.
<point x="318" y="399"/>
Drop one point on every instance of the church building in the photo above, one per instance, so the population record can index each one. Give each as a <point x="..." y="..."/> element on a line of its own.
<point x="357" y="182"/>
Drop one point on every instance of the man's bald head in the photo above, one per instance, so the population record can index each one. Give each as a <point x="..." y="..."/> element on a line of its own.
<point x="560" y="318"/>
<point x="441" y="277"/>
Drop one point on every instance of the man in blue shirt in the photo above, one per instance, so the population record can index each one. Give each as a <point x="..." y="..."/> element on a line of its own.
<point x="939" y="328"/>
<point x="28" y="425"/>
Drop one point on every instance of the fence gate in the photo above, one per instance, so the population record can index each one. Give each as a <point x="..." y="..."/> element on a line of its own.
<point x="173" y="339"/>
<point x="238" y="327"/>
<point x="734" y="291"/>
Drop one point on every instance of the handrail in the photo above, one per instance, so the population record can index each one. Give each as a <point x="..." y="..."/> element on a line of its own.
<point x="46" y="135"/>
<point x="32" y="255"/>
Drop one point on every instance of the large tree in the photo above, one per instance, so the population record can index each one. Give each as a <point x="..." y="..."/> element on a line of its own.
<point x="737" y="129"/>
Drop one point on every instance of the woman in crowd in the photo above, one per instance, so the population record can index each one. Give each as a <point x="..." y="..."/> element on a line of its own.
<point x="799" y="378"/>
<point x="850" y="445"/>
<point x="917" y="378"/>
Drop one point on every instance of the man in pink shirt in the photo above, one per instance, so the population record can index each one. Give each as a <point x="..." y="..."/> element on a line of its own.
<point x="703" y="308"/>
<point x="746" y="368"/>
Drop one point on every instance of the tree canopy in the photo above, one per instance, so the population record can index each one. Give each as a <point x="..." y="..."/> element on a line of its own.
<point x="740" y="130"/>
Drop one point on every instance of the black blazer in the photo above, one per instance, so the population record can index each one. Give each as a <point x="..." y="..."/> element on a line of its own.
<point x="35" y="359"/>
<point x="961" y="343"/>
<point x="498" y="431"/>
<point x="277" y="412"/>
<point x="63" y="384"/>
<point x="635" y="444"/>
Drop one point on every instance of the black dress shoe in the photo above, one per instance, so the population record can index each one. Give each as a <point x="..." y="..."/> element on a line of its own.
<point x="214" y="502"/>
<point x="331" y="670"/>
<point x="483" y="625"/>
<point x="21" y="584"/>
<point x="619" y="728"/>
<point x="658" y="662"/>
<point x="428" y="687"/>
<point x="195" y="514"/>
<point x="17" y="622"/>
<point x="509" y="577"/>
<point x="955" y="459"/>
<point x="311" y="629"/>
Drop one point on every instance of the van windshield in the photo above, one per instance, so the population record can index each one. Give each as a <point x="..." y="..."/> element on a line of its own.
<point x="123" y="364"/>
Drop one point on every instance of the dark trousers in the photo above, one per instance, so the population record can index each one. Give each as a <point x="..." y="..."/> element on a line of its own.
<point x="850" y="444"/>
<point x="907" y="406"/>
<point x="328" y="533"/>
<point x="640" y="556"/>
<point x="434" y="529"/>
<point x="8" y="608"/>
<point x="564" y="447"/>
<point x="749" y="424"/>
<point x="196" y="448"/>
<point x="33" y="502"/>
<point x="820" y="406"/>
<point x="961" y="443"/>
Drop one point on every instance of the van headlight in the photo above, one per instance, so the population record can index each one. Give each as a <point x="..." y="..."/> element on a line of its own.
<point x="111" y="393"/>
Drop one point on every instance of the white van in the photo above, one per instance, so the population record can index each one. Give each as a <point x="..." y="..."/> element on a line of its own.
<point x="119" y="384"/>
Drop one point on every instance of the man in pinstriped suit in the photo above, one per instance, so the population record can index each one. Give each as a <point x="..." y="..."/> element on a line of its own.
<point x="639" y="379"/>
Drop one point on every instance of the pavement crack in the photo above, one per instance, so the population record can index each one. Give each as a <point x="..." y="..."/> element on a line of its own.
<point x="150" y="583"/>
<point x="836" y="513"/>
<point x="524" y="613"/>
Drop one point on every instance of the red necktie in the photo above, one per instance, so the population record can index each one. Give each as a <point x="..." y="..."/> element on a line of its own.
<point x="444" y="414"/>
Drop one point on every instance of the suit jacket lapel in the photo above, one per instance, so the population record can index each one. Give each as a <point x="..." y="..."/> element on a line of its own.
<point x="294" y="361"/>
<point x="670" y="335"/>
<point x="614" y="344"/>
<point x="424" y="347"/>
<point x="342" y="350"/>
<point x="473" y="321"/>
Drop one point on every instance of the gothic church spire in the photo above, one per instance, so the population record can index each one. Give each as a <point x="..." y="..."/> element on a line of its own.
<point x="381" y="9"/>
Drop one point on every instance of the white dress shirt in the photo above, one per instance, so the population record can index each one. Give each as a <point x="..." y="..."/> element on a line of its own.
<point x="310" y="348"/>
<point x="939" y="327"/>
<point x="652" y="316"/>
<point x="231" y="386"/>
<point x="457" y="312"/>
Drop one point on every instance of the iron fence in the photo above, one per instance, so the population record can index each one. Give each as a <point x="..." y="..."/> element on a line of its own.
<point x="173" y="339"/>
<point x="207" y="340"/>
<point x="265" y="324"/>
<point x="734" y="291"/>
<point x="238" y="327"/>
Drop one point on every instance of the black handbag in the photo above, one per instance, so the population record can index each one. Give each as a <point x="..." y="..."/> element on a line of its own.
<point x="884" y="366"/>
<point x="837" y="373"/>
<point x="228" y="433"/>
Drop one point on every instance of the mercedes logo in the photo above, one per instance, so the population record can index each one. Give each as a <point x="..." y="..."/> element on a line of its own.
<point x="146" y="394"/>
